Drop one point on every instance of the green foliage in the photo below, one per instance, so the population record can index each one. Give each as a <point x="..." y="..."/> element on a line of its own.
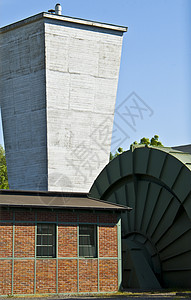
<point x="118" y="152"/>
<point x="3" y="170"/>
<point x="154" y="141"/>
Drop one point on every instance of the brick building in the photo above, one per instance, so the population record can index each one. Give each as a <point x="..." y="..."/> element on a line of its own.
<point x="55" y="243"/>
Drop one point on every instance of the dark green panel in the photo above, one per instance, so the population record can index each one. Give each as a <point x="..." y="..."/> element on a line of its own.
<point x="179" y="279"/>
<point x="185" y="158"/>
<point x="180" y="226"/>
<point x="112" y="198"/>
<point x="180" y="245"/>
<point x="126" y="163"/>
<point x="140" y="160"/>
<point x="130" y="197"/>
<point x="182" y="186"/>
<point x="141" y="239"/>
<point x="170" y="171"/>
<point x="154" y="182"/>
<point x="162" y="203"/>
<point x="178" y="262"/>
<point x="143" y="272"/>
<point x="165" y="222"/>
<point x="149" y="248"/>
<point x="113" y="170"/>
<point x="187" y="206"/>
<point x="121" y="195"/>
<point x="94" y="191"/>
<point x="125" y="221"/>
<point x="103" y="182"/>
<point x="152" y="197"/>
<point x="155" y="163"/>
<point x="142" y="189"/>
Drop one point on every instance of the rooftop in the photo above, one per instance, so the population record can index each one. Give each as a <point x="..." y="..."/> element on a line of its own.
<point x="63" y="19"/>
<point x="58" y="200"/>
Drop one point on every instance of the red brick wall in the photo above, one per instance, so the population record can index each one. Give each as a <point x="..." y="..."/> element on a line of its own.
<point x="24" y="240"/>
<point x="88" y="275"/>
<point x="6" y="214"/>
<point x="87" y="218"/>
<point x="46" y="215"/>
<point x="108" y="218"/>
<point x="67" y="265"/>
<point x="5" y="277"/>
<point x="108" y="241"/>
<point x="23" y="277"/>
<point x="45" y="276"/>
<point x="67" y="217"/>
<point x="67" y="276"/>
<point x="67" y="240"/>
<point x="108" y="273"/>
<point x="6" y="238"/>
<point x="23" y="215"/>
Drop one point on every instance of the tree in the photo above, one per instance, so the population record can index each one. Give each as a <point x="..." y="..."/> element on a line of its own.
<point x="154" y="141"/>
<point x="3" y="170"/>
<point x="119" y="151"/>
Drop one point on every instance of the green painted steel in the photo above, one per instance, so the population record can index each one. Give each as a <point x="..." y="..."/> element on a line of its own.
<point x="78" y="254"/>
<point x="119" y="254"/>
<point x="35" y="253"/>
<point x="156" y="234"/>
<point x="98" y="254"/>
<point x="60" y="258"/>
<point x="13" y="255"/>
<point x="57" y="254"/>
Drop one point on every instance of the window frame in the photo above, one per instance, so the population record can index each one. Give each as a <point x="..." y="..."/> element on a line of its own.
<point x="47" y="246"/>
<point x="91" y="246"/>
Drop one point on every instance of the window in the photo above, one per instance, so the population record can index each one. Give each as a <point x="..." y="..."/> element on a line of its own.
<point x="46" y="236"/>
<point x="87" y="240"/>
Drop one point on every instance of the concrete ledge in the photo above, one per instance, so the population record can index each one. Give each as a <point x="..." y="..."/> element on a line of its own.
<point x="64" y="19"/>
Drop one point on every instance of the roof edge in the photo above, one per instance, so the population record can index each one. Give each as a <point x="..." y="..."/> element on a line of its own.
<point x="110" y="203"/>
<point x="68" y="19"/>
<point x="77" y="196"/>
<point x="65" y="207"/>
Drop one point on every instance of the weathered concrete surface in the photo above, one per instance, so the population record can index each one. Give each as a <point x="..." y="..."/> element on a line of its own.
<point x="23" y="105"/>
<point x="58" y="88"/>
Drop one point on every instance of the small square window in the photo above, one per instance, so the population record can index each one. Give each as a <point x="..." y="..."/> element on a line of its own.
<point x="87" y="240"/>
<point x="46" y="240"/>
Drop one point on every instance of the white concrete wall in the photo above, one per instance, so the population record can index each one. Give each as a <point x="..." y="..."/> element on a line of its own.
<point x="82" y="67"/>
<point x="22" y="97"/>
<point x="58" y="84"/>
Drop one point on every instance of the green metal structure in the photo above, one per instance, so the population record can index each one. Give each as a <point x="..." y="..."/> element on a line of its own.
<point x="156" y="234"/>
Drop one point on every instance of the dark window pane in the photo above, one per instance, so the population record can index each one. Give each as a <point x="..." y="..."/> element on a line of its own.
<point x="44" y="251"/>
<point x="87" y="240"/>
<point x="39" y="230"/>
<point x="51" y="229"/>
<point x="46" y="240"/>
<point x="50" y="251"/>
<point x="38" y="239"/>
<point x="50" y="240"/>
<point x="39" y="253"/>
<point x="44" y="228"/>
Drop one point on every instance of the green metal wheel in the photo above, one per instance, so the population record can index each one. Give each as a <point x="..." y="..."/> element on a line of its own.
<point x="156" y="234"/>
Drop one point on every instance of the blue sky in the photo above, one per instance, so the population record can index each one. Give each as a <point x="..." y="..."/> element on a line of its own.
<point x="155" y="63"/>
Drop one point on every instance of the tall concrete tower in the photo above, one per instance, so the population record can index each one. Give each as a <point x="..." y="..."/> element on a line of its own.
<point x="58" y="84"/>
